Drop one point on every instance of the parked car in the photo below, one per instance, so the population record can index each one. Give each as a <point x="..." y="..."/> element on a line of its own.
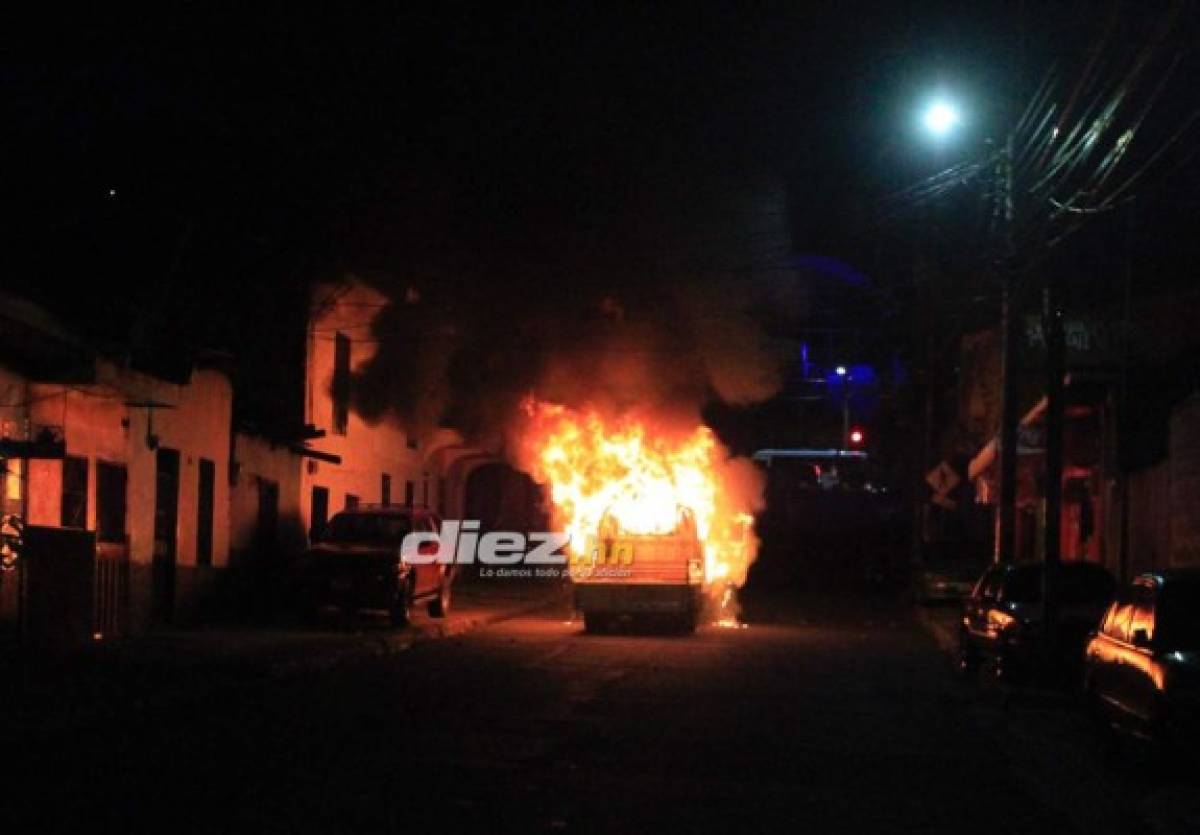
<point x="1142" y="665"/>
<point x="356" y="565"/>
<point x="1002" y="620"/>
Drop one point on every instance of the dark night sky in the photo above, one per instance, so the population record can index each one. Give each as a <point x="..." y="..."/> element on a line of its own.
<point x="252" y="151"/>
<point x="319" y="132"/>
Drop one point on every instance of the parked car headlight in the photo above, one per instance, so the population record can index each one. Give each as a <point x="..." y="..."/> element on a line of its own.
<point x="1000" y="622"/>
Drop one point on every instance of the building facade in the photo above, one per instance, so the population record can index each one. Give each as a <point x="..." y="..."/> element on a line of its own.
<point x="285" y="490"/>
<point x="1131" y="434"/>
<point x="356" y="461"/>
<point x="173" y="489"/>
<point x="140" y="463"/>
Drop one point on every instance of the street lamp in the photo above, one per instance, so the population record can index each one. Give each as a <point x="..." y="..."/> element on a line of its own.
<point x="845" y="378"/>
<point x="941" y="117"/>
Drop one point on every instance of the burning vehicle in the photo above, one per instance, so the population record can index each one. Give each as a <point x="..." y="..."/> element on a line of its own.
<point x="630" y="572"/>
<point x="657" y="512"/>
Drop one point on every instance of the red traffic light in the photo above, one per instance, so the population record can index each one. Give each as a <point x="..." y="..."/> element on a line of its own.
<point x="857" y="437"/>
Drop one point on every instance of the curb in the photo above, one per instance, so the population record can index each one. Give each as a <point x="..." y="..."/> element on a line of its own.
<point x="393" y="645"/>
<point x="943" y="635"/>
<point x="466" y="625"/>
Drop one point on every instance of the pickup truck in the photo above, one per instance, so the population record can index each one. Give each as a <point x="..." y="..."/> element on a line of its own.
<point x="356" y="565"/>
<point x="623" y="574"/>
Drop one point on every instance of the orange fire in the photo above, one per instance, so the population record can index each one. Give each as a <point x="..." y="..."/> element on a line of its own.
<point x="641" y="474"/>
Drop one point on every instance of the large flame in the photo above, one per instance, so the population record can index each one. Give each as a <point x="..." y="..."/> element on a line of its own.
<point x="641" y="474"/>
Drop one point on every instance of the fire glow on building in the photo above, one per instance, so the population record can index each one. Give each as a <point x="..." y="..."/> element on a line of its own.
<point x="642" y="472"/>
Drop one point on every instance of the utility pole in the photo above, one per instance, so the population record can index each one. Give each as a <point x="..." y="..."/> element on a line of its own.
<point x="1052" y="327"/>
<point x="1123" y="397"/>
<point x="843" y="375"/>
<point x="846" y="412"/>
<point x="1006" y="516"/>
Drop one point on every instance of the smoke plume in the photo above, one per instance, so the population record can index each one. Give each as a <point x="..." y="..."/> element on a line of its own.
<point x="658" y="313"/>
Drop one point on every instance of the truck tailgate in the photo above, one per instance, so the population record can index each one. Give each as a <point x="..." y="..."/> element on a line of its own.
<point x="638" y="559"/>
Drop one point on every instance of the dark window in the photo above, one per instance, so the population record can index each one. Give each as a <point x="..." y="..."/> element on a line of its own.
<point x="341" y="383"/>
<point x="1084" y="583"/>
<point x="351" y="501"/>
<point x="268" y="513"/>
<point x="74" y="492"/>
<point x="111" y="480"/>
<point x="166" y="519"/>
<point x="1076" y="583"/>
<point x="205" y="501"/>
<point x="320" y="512"/>
<point x="989" y="584"/>
<point x="166" y="499"/>
<point x="1179" y="615"/>
<point x="369" y="528"/>
<point x="385" y="489"/>
<point x="408" y="493"/>
<point x="1023" y="585"/>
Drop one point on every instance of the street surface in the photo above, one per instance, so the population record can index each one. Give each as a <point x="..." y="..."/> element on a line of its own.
<point x="838" y="717"/>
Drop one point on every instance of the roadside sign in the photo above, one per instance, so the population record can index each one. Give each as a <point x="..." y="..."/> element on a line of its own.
<point x="942" y="479"/>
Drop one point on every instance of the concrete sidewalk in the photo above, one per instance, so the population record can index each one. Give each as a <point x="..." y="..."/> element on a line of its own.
<point x="279" y="650"/>
<point x="168" y="666"/>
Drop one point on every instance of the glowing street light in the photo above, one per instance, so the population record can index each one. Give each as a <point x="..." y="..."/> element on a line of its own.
<point x="941" y="117"/>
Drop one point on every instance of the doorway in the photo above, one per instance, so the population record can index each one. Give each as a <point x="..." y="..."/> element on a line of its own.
<point x="166" y="518"/>
<point x="319" y="515"/>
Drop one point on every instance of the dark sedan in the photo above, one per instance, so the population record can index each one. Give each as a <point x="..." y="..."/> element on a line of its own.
<point x="1003" y="619"/>
<point x="1142" y="667"/>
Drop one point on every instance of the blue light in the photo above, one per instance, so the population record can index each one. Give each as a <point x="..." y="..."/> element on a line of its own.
<point x="832" y="268"/>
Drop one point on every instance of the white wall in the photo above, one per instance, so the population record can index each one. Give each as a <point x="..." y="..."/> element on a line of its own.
<point x="258" y="459"/>
<point x="367" y="451"/>
<point x="99" y="425"/>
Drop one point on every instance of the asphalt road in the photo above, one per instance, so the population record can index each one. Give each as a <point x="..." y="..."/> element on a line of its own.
<point x="842" y="717"/>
